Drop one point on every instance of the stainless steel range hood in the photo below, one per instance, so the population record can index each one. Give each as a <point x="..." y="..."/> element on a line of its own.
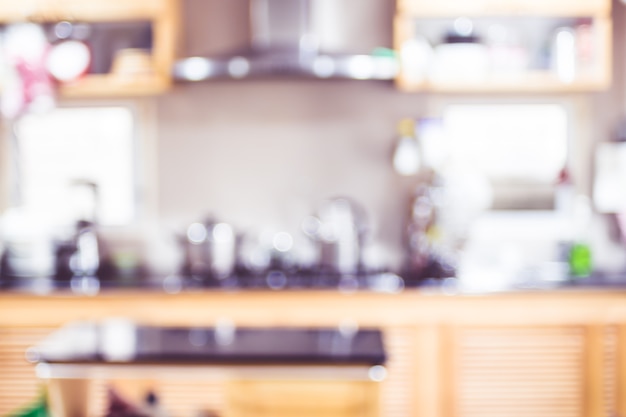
<point x="284" y="44"/>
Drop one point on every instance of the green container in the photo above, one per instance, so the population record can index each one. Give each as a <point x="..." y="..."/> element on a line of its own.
<point x="580" y="260"/>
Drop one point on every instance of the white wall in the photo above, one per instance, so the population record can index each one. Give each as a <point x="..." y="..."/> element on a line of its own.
<point x="263" y="154"/>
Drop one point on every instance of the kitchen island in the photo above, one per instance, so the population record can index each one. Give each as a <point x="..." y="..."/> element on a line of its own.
<point x="559" y="352"/>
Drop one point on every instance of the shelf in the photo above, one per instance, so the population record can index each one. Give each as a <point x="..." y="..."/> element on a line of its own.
<point x="474" y="8"/>
<point x="162" y="15"/>
<point x="417" y="18"/>
<point x="83" y="10"/>
<point x="110" y="85"/>
<point x="529" y="82"/>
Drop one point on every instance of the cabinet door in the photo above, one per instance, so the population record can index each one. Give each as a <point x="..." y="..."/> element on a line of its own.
<point x="447" y="8"/>
<point x="564" y="371"/>
<point x="302" y="398"/>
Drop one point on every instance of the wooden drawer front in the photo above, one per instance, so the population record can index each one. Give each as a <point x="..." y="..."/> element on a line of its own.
<point x="452" y="8"/>
<point x="548" y="371"/>
<point x="314" y="398"/>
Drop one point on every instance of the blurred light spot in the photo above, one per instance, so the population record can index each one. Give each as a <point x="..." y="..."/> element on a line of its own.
<point x="223" y="232"/>
<point x="225" y="331"/>
<point x="259" y="259"/>
<point x="387" y="68"/>
<point x="238" y="67"/>
<point x="377" y="373"/>
<point x="196" y="233"/>
<point x="463" y="26"/>
<point x="119" y="339"/>
<point x="172" y="284"/>
<point x="387" y="282"/>
<point x="282" y="241"/>
<point x="63" y="30"/>
<point x="196" y="69"/>
<point x="311" y="226"/>
<point x="276" y="280"/>
<point x="361" y="67"/>
<point x="32" y="355"/>
<point x="323" y="66"/>
<point x="42" y="370"/>
<point x="348" y="328"/>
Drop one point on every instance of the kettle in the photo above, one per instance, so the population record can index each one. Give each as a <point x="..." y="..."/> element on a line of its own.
<point x="209" y="250"/>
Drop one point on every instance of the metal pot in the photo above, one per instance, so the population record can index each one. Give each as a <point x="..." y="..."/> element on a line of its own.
<point x="209" y="250"/>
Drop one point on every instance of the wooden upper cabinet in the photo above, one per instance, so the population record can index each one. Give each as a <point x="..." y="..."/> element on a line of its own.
<point x="140" y="74"/>
<point x="528" y="56"/>
<point x="446" y="8"/>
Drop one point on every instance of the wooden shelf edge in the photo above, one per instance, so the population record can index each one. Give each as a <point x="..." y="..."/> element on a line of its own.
<point x="526" y="84"/>
<point x="90" y="11"/>
<point x="114" y="86"/>
<point x="416" y="9"/>
<point x="495" y="14"/>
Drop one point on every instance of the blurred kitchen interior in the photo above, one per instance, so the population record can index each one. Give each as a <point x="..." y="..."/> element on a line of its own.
<point x="302" y="182"/>
<point x="263" y="153"/>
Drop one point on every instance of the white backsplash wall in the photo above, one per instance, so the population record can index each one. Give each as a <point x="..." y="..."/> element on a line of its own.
<point x="263" y="154"/>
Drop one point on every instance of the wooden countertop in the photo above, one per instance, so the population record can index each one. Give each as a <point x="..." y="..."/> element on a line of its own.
<point x="282" y="308"/>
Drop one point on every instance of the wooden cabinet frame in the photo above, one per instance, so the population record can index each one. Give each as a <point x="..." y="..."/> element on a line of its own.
<point x="532" y="81"/>
<point x="164" y="16"/>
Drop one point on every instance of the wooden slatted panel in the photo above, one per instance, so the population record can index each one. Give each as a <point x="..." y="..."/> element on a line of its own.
<point x="520" y="372"/>
<point x="396" y="394"/>
<point x="610" y="371"/>
<point x="98" y="399"/>
<point x="18" y="383"/>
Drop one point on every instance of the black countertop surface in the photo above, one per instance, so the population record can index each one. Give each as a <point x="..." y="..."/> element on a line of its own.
<point x="384" y="282"/>
<point x="123" y="342"/>
<point x="272" y="281"/>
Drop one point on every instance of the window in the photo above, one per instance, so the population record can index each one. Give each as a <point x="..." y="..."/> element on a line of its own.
<point x="520" y="149"/>
<point x="77" y="162"/>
